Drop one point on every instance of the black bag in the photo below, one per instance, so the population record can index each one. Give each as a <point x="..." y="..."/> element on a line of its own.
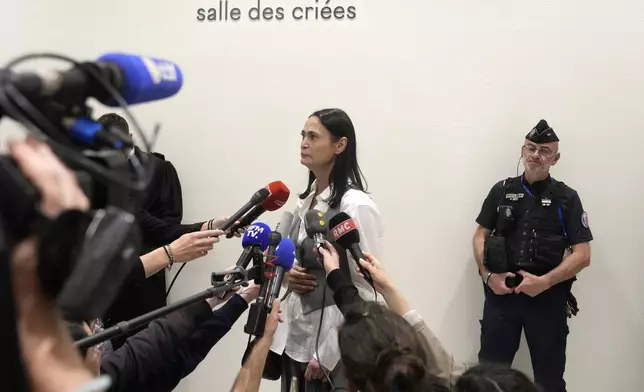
<point x="495" y="258"/>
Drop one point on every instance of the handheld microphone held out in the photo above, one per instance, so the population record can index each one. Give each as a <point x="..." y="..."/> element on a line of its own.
<point x="346" y="234"/>
<point x="282" y="260"/>
<point x="316" y="227"/>
<point x="257" y="198"/>
<point x="278" y="196"/>
<point x="254" y="242"/>
<point x="138" y="79"/>
<point x="273" y="241"/>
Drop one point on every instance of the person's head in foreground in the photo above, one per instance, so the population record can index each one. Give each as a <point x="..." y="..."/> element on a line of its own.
<point x="540" y="150"/>
<point x="382" y="352"/>
<point x="493" y="378"/>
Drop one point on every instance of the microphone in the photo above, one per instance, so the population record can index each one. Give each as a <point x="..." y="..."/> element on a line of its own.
<point x="277" y="197"/>
<point x="284" y="259"/>
<point x="257" y="198"/>
<point x="316" y="227"/>
<point x="255" y="239"/>
<point x="273" y="241"/>
<point x="346" y="234"/>
<point x="285" y="224"/>
<point x="138" y="79"/>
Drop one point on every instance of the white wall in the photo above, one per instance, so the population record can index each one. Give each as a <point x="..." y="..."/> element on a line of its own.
<point x="442" y="93"/>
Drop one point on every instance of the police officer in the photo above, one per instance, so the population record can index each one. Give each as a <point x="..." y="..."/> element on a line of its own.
<point x="531" y="242"/>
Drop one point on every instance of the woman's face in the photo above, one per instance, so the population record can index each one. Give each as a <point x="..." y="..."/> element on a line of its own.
<point x="318" y="148"/>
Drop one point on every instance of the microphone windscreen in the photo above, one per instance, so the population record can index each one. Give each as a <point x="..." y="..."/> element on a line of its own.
<point x="145" y="79"/>
<point x="285" y="254"/>
<point x="279" y="194"/>
<point x="285" y="224"/>
<point x="257" y="234"/>
<point x="315" y="223"/>
<point x="344" y="230"/>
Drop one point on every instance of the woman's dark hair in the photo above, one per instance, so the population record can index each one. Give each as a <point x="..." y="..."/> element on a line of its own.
<point x="494" y="378"/>
<point x="346" y="172"/>
<point x="382" y="352"/>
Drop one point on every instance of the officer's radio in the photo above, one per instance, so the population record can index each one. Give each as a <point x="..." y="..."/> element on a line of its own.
<point x="504" y="219"/>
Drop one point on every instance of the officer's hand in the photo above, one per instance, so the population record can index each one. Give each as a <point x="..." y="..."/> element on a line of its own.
<point x="497" y="283"/>
<point x="532" y="285"/>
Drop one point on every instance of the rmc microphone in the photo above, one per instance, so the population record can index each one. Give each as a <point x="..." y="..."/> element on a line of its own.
<point x="138" y="79"/>
<point x="346" y="234"/>
<point x="277" y="197"/>
<point x="316" y="227"/>
<point x="255" y="240"/>
<point x="257" y="198"/>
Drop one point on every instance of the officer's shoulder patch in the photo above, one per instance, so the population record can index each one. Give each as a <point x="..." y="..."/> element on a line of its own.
<point x="584" y="219"/>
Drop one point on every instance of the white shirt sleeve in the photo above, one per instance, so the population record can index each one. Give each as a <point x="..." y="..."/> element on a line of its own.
<point x="369" y="223"/>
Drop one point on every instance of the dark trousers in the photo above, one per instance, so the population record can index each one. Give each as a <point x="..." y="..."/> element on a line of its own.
<point x="544" y="320"/>
<point x="293" y="378"/>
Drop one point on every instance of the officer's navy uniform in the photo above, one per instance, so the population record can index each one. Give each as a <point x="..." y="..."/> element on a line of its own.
<point x="548" y="219"/>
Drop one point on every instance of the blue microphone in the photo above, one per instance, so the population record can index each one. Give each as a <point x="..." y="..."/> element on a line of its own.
<point x="284" y="259"/>
<point x="255" y="241"/>
<point x="143" y="79"/>
<point x="138" y="79"/>
<point x="257" y="235"/>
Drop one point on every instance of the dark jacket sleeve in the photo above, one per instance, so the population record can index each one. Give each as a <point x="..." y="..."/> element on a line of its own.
<point x="197" y="346"/>
<point x="144" y="353"/>
<point x="345" y="294"/>
<point x="157" y="233"/>
<point x="194" y="349"/>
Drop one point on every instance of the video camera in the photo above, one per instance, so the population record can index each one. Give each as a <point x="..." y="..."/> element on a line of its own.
<point x="83" y="256"/>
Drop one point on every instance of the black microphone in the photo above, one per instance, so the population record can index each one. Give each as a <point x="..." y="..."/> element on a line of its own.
<point x="257" y="198"/>
<point x="316" y="227"/>
<point x="346" y="234"/>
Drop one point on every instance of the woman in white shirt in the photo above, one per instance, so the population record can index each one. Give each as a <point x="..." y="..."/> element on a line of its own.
<point x="336" y="184"/>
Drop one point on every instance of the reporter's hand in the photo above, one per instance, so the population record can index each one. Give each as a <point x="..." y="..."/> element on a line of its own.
<point x="273" y="320"/>
<point x="330" y="257"/>
<point x="217" y="222"/>
<point x="381" y="281"/>
<point x="194" y="245"/>
<point x="249" y="293"/>
<point x="57" y="185"/>
<point x="497" y="283"/>
<point x="52" y="362"/>
<point x="299" y="281"/>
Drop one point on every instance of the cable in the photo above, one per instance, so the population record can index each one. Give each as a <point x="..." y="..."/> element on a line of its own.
<point x="317" y="338"/>
<point x="174" y="278"/>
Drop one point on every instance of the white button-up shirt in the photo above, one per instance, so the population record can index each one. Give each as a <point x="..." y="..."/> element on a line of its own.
<point x="296" y="335"/>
